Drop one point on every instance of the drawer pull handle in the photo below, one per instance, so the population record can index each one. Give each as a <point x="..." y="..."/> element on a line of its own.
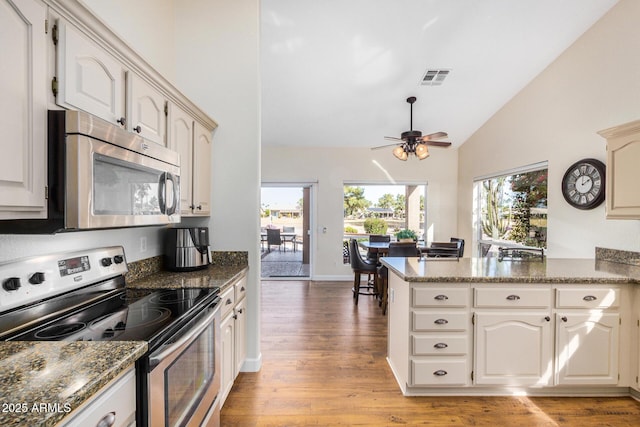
<point x="513" y="297"/>
<point x="440" y="373"/>
<point x="589" y="298"/>
<point x="242" y="289"/>
<point x="440" y="345"/>
<point x="441" y="321"/>
<point x="108" y="420"/>
<point x="441" y="297"/>
<point x="229" y="301"/>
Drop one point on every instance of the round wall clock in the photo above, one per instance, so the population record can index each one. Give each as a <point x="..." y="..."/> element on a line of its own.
<point x="583" y="184"/>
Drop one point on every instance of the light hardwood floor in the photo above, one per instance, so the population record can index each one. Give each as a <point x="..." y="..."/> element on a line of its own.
<point x="324" y="365"/>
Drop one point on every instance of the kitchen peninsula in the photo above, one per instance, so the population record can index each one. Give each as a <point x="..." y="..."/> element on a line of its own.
<point x="564" y="327"/>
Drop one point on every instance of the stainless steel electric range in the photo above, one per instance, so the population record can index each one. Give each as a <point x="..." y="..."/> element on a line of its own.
<point x="82" y="296"/>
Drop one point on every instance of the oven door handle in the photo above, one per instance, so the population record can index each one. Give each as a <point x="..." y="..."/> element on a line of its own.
<point x="157" y="358"/>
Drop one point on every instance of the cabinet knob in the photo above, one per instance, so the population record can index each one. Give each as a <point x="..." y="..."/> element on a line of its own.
<point x="240" y="311"/>
<point x="108" y="420"/>
<point x="564" y="318"/>
<point x="137" y="129"/>
<point x="513" y="297"/>
<point x="441" y="321"/>
<point x="199" y="207"/>
<point x="122" y="121"/>
<point x="192" y="206"/>
<point x="547" y="318"/>
<point x="440" y="373"/>
<point x="589" y="298"/>
<point x="242" y="289"/>
<point x="235" y="316"/>
<point x="440" y="345"/>
<point x="441" y="297"/>
<point x="228" y="301"/>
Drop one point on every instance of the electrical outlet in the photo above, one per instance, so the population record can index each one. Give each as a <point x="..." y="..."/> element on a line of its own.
<point x="143" y="244"/>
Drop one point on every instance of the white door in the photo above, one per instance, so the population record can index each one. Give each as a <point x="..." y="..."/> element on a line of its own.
<point x="513" y="348"/>
<point x="587" y="348"/>
<point x="23" y="109"/>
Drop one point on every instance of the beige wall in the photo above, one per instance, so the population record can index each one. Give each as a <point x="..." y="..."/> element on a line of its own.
<point x="593" y="85"/>
<point x="331" y="168"/>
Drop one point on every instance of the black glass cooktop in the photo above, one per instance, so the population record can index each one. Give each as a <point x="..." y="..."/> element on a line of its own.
<point x="130" y="314"/>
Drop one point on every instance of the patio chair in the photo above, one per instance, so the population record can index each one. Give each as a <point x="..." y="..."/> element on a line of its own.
<point x="273" y="238"/>
<point x="290" y="239"/>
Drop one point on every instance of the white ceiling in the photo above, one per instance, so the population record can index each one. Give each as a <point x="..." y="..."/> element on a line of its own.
<point x="337" y="73"/>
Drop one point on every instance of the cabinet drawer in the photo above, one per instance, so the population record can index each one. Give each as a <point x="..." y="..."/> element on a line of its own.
<point x="439" y="372"/>
<point x="441" y="344"/>
<point x="440" y="297"/>
<point x="588" y="298"/>
<point x="228" y="300"/>
<point x="440" y="321"/>
<point x="512" y="297"/>
<point x="241" y="288"/>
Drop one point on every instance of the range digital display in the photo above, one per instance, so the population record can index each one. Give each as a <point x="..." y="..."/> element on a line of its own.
<point x="73" y="265"/>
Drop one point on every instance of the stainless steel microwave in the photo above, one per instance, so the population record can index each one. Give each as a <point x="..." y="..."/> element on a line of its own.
<point x="101" y="176"/>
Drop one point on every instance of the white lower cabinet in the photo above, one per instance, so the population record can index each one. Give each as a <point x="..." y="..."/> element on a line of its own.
<point x="233" y="334"/>
<point x="513" y="348"/>
<point x="114" y="405"/>
<point x="511" y="335"/>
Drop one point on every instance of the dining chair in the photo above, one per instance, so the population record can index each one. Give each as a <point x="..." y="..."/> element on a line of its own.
<point x="273" y="239"/>
<point x="362" y="266"/>
<point x="373" y="255"/>
<point x="396" y="249"/>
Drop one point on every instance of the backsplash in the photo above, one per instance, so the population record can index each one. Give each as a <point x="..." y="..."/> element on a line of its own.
<point x="144" y="267"/>
<point x="619" y="256"/>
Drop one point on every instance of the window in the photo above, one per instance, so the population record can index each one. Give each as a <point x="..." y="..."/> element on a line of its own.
<point x="511" y="209"/>
<point x="383" y="209"/>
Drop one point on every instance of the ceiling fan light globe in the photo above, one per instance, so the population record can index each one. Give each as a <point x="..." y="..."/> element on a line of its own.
<point x="400" y="153"/>
<point x="422" y="152"/>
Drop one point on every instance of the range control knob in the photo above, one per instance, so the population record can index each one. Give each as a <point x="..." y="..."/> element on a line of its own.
<point x="118" y="259"/>
<point x="36" y="278"/>
<point x="11" y="284"/>
<point x="106" y="262"/>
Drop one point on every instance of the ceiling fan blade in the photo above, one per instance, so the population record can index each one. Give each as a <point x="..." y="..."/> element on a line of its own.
<point x="393" y="138"/>
<point x="435" y="135"/>
<point x="384" y="146"/>
<point x="437" y="143"/>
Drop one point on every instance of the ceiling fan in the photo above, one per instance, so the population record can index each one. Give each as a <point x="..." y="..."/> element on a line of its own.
<point x="413" y="142"/>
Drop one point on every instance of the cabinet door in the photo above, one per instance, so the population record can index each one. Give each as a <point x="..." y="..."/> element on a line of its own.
<point x="202" y="170"/>
<point x="227" y="356"/>
<point x="181" y="140"/>
<point x="623" y="197"/>
<point x="513" y="348"/>
<point x="241" y="325"/>
<point x="23" y="108"/>
<point x="89" y="78"/>
<point x="146" y="110"/>
<point x="587" y="348"/>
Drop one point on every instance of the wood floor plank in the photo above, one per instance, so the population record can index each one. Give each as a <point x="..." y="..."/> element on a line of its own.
<point x="324" y="364"/>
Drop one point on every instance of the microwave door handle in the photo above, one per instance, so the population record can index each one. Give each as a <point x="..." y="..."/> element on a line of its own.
<point x="170" y="210"/>
<point x="162" y="188"/>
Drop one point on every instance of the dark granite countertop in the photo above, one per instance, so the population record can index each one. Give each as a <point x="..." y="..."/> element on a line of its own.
<point x="490" y="270"/>
<point x="212" y="276"/>
<point x="60" y="374"/>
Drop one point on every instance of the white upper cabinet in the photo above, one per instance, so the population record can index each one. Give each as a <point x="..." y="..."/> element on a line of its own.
<point x="146" y="110"/>
<point x="89" y="78"/>
<point x="23" y="109"/>
<point x="623" y="151"/>
<point x="201" y="169"/>
<point x="181" y="140"/>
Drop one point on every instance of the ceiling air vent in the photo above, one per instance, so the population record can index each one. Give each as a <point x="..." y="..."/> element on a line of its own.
<point x="434" y="77"/>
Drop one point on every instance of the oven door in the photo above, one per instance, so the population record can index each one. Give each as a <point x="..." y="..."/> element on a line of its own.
<point x="184" y="373"/>
<point x="109" y="186"/>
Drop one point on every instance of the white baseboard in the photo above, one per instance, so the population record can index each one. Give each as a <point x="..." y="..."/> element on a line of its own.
<point x="332" y="278"/>
<point x="252" y="365"/>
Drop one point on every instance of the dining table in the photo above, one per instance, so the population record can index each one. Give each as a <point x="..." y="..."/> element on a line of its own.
<point x="287" y="236"/>
<point x="382" y="248"/>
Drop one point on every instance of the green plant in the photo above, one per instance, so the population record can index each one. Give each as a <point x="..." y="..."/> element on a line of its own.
<point x="406" y="234"/>
<point x="375" y="226"/>
<point x="349" y="229"/>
